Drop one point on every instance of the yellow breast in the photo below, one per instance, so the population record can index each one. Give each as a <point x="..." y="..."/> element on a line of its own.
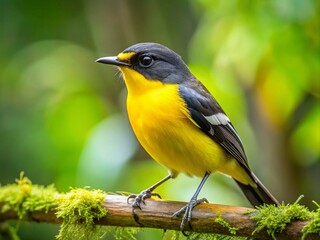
<point x="163" y="126"/>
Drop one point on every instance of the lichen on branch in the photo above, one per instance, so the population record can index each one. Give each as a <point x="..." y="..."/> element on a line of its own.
<point x="24" y="197"/>
<point x="275" y="218"/>
<point x="85" y="213"/>
<point x="79" y="209"/>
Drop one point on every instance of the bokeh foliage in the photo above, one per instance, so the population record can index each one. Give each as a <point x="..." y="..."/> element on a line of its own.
<point x="63" y="118"/>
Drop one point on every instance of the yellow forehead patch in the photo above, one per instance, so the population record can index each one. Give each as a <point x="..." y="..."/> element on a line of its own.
<point x="124" y="57"/>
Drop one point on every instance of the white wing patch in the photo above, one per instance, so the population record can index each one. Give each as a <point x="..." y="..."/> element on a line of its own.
<point x="218" y="119"/>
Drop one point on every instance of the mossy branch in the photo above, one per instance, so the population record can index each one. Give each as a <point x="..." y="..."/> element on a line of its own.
<point x="81" y="210"/>
<point x="158" y="214"/>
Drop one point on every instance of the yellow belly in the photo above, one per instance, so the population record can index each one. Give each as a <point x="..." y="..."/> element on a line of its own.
<point x="171" y="138"/>
<point x="164" y="128"/>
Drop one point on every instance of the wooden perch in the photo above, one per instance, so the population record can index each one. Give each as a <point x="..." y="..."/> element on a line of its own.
<point x="158" y="214"/>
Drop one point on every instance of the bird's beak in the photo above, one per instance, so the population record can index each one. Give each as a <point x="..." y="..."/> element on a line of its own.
<point x="113" y="61"/>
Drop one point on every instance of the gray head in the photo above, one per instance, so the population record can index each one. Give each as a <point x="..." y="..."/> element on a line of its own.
<point x="154" y="61"/>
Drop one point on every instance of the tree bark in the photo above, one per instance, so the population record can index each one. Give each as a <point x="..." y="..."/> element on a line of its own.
<point x="158" y="214"/>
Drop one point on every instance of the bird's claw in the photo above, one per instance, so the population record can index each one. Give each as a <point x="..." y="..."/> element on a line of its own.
<point x="187" y="210"/>
<point x="140" y="198"/>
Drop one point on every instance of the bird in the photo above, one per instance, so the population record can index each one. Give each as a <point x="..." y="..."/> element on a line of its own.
<point x="181" y="125"/>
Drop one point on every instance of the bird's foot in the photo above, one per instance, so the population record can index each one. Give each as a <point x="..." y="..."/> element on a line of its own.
<point x="139" y="198"/>
<point x="187" y="210"/>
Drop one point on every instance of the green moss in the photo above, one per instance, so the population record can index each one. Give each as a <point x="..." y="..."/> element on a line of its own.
<point x="24" y="197"/>
<point x="177" y="235"/>
<point x="125" y="233"/>
<point x="224" y="223"/>
<point x="275" y="218"/>
<point x="79" y="208"/>
<point x="314" y="225"/>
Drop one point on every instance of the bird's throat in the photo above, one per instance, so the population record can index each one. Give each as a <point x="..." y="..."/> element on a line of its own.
<point x="136" y="83"/>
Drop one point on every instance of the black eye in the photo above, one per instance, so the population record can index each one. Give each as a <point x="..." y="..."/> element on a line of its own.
<point x="145" y="61"/>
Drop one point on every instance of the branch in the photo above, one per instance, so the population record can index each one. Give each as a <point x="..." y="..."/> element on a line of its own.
<point x="158" y="214"/>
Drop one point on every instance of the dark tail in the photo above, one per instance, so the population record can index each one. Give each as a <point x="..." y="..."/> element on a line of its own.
<point x="257" y="195"/>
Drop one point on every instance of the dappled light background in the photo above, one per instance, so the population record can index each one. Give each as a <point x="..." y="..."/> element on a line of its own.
<point x="63" y="117"/>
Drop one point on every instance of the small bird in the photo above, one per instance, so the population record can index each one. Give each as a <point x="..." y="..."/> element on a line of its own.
<point x="180" y="124"/>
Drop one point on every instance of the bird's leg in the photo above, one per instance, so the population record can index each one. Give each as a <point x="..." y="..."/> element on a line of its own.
<point x="148" y="193"/>
<point x="187" y="209"/>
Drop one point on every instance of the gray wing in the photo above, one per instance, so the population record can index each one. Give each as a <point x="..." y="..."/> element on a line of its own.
<point x="212" y="120"/>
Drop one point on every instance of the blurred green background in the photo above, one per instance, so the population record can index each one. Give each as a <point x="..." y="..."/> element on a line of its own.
<point x="63" y="117"/>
